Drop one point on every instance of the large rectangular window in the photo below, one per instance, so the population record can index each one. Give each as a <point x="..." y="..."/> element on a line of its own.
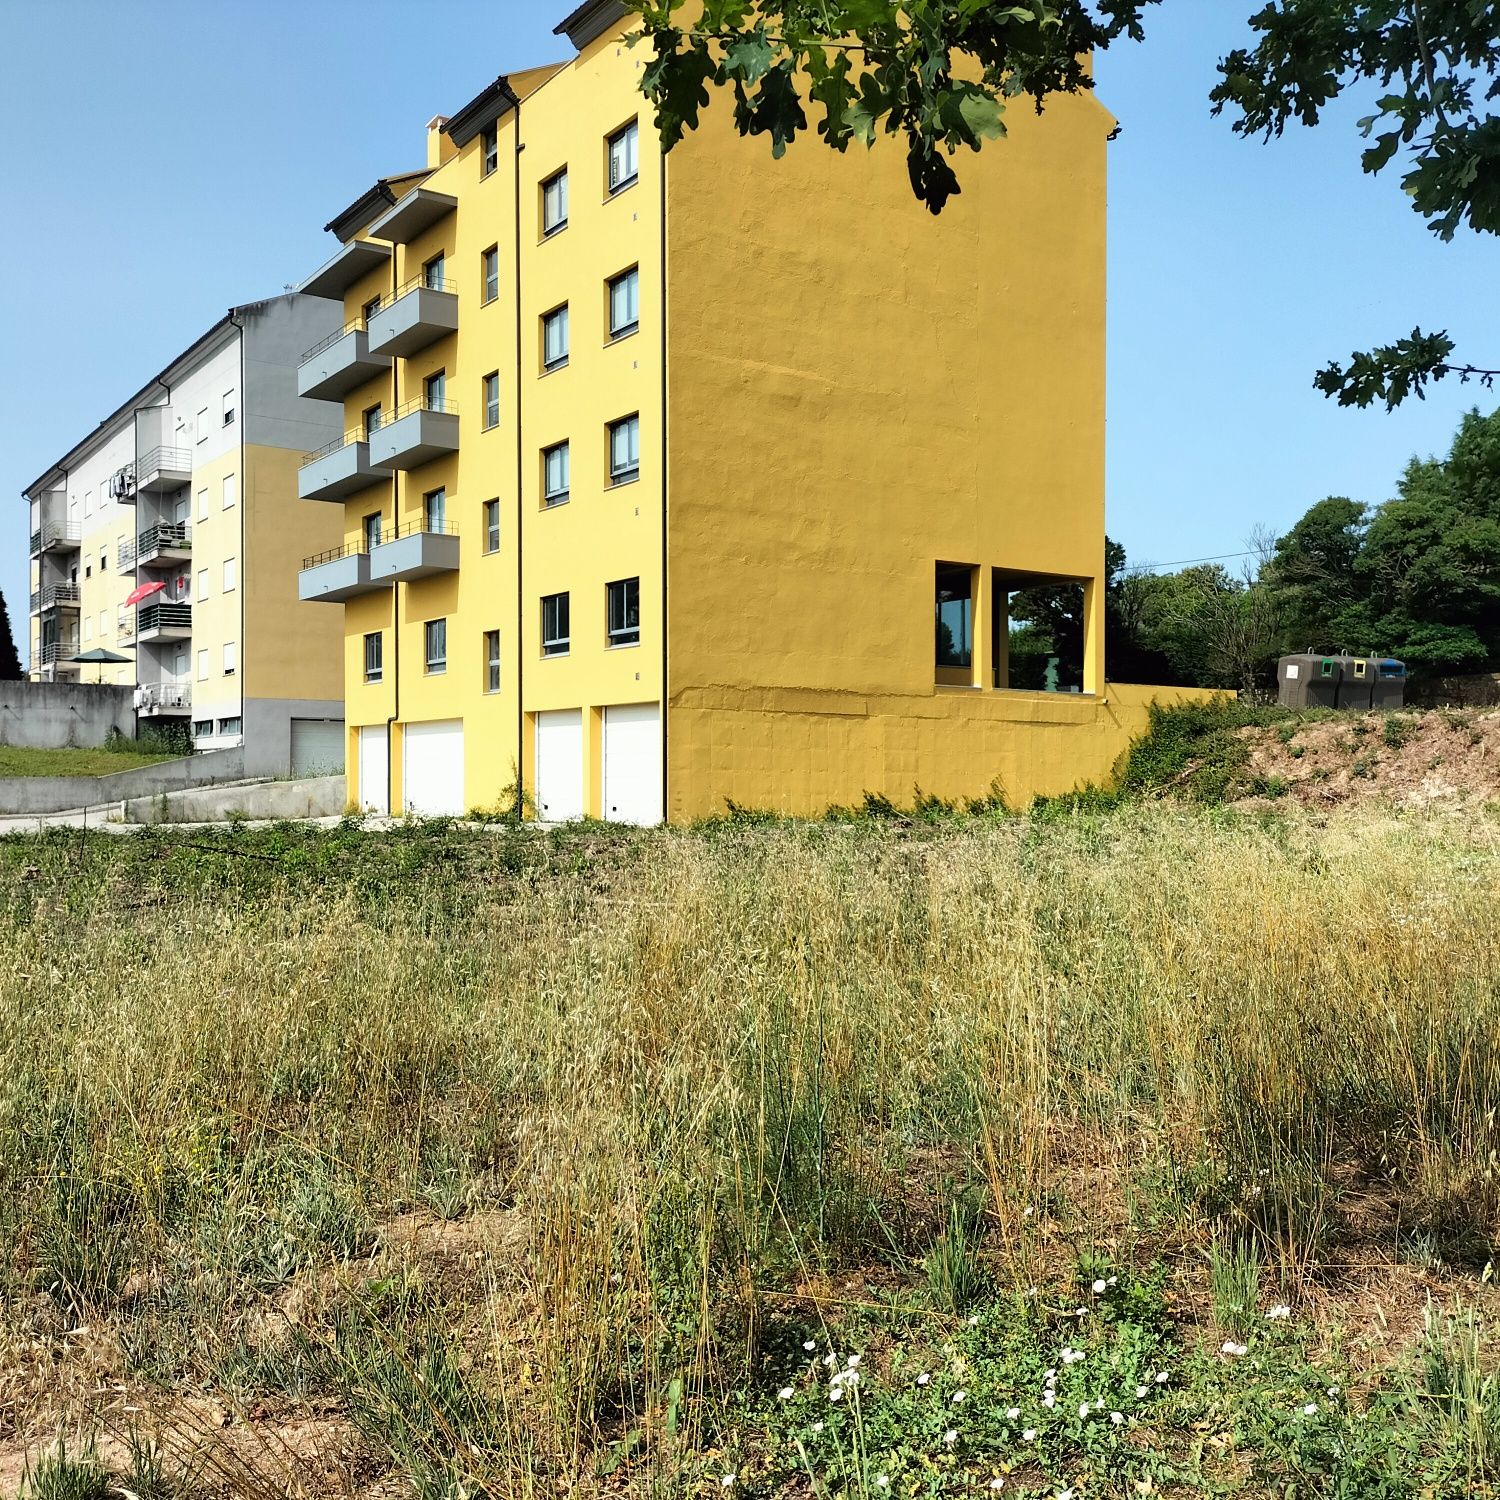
<point x="492" y="661"/>
<point x="374" y="656"/>
<point x="555" y="338"/>
<point x="623" y="610"/>
<point x="491" y="525"/>
<point x="492" y="399"/>
<point x="372" y="530"/>
<point x="432" y="273"/>
<point x="435" y="642"/>
<point x="435" y="391"/>
<point x="490" y="262"/>
<point x="555" y="203"/>
<point x="955" y="615"/>
<point x="625" y="450"/>
<point x="555" y="639"/>
<point x="231" y="658"/>
<point x="435" y="510"/>
<point x="555" y="476"/>
<point x="489" y="150"/>
<point x="624" y="157"/>
<point x="372" y="419"/>
<point x="625" y="303"/>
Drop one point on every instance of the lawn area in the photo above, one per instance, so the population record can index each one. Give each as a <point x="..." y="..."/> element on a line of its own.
<point x="1145" y="1151"/>
<point x="18" y="761"/>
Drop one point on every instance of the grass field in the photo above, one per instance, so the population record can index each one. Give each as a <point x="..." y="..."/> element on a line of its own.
<point x="1143" y="1152"/>
<point x="19" y="761"/>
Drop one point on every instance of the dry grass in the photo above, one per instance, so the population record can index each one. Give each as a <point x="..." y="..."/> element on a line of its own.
<point x="526" y="1149"/>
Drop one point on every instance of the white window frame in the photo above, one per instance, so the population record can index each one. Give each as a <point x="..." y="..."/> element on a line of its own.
<point x="202" y="425"/>
<point x="555" y="203"/>
<point x="489" y="151"/>
<point x="231" y="658"/>
<point x="203" y="503"/>
<point x="491" y="527"/>
<point x="629" y="471"/>
<point x="230" y="494"/>
<point x="492" y="661"/>
<point x="491" y="387"/>
<point x="435" y="510"/>
<point x="489" y="286"/>
<point x="435" y="632"/>
<point x="632" y="280"/>
<point x="229" y="575"/>
<point x="203" y="665"/>
<point x="555" y="644"/>
<point x="623" y="154"/>
<point x="377" y="673"/>
<point x="557" y="495"/>
<point x="623" y="634"/>
<point x="555" y="339"/>
<point x="228" y="408"/>
<point x="203" y="583"/>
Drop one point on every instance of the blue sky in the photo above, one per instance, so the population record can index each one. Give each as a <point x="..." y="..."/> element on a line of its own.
<point x="166" y="158"/>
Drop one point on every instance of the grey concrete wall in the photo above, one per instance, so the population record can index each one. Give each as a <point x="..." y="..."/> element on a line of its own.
<point x="25" y="795"/>
<point x="53" y="715"/>
<point x="317" y="797"/>
<point x="268" y="730"/>
<point x="278" y="332"/>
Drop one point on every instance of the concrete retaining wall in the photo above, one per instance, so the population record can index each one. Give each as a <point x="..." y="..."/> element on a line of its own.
<point x="45" y="794"/>
<point x="60" y="715"/>
<point x="316" y="797"/>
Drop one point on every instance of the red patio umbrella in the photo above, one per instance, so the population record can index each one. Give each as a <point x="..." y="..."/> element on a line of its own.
<point x="143" y="591"/>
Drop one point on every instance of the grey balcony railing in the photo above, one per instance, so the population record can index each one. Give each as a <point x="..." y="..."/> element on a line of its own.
<point x="168" y="536"/>
<point x="354" y="325"/>
<point x="154" y="697"/>
<point x="55" y="595"/>
<point x="164" y="617"/>
<point x="50" y="653"/>
<point x="55" y="534"/>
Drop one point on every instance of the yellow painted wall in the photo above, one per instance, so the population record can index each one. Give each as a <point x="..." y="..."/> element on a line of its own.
<point x="216" y="614"/>
<point x="858" y="391"/>
<point x="291" y="649"/>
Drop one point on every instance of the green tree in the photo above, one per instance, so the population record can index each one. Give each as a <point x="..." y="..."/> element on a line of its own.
<point x="1435" y="64"/>
<point x="10" y="661"/>
<point x="1313" y="570"/>
<point x="939" y="73"/>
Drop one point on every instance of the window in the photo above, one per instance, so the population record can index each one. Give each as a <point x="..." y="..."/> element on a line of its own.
<point x="228" y="575"/>
<point x="372" y="419"/>
<point x="88" y="627"/>
<point x="230" y="725"/>
<point x="432" y="274"/>
<point x="625" y="450"/>
<point x="955" y="615"/>
<point x="555" y="474"/>
<point x="623" y="610"/>
<point x="202" y="728"/>
<point x="555" y="625"/>
<point x="555" y="203"/>
<point x="202" y="424"/>
<point x="435" y="510"/>
<point x="369" y="310"/>
<point x="435" y="633"/>
<point x="228" y="407"/>
<point x="624" y="157"/>
<point x="492" y="399"/>
<point x="555" y="338"/>
<point x="103" y="622"/>
<point x="88" y="502"/>
<point x="492" y="661"/>
<point x="374" y="656"/>
<point x="203" y="583"/>
<point x="491" y="525"/>
<point x="371" y="529"/>
<point x="203" y="670"/>
<point x="489" y="150"/>
<point x="435" y="391"/>
<point x="203" y="504"/>
<point x="625" y="303"/>
<point x="231" y="658"/>
<point x="228" y="491"/>
<point x="490" y="261"/>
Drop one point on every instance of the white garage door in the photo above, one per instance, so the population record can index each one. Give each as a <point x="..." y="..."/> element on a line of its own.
<point x="559" y="765"/>
<point x="317" y="747"/>
<point x="632" y="763"/>
<point x="374" y="769"/>
<point x="434" y="759"/>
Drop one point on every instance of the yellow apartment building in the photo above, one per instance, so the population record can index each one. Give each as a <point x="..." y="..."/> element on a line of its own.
<point x="671" y="481"/>
<point x="185" y="499"/>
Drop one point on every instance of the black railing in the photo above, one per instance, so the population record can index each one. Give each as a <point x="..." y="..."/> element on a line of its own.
<point x="353" y="435"/>
<point x="164" y="617"/>
<point x="444" y="404"/>
<point x="178" y="534"/>
<point x="354" y="325"/>
<point x="421" y="284"/>
<point x="421" y="528"/>
<point x="52" y="533"/>
<point x="55" y="594"/>
<point x="334" y="554"/>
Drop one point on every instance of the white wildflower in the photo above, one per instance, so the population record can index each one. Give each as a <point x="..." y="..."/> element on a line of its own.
<point x="1029" y="1436"/>
<point x="950" y="1437"/>
<point x="974" y="1321"/>
<point x="1140" y="1392"/>
<point x="810" y="1345"/>
<point x="1162" y="1377"/>
<point x="1083" y="1409"/>
<point x="1230" y="1347"/>
<point x="853" y="1361"/>
<point x="959" y="1397"/>
<point x="1012" y="1413"/>
<point x="1279" y="1313"/>
<point x="883" y="1481"/>
<point x="1117" y="1417"/>
<point x="1049" y="1400"/>
<point x="998" y="1482"/>
<point x="727" y="1482"/>
<point x="1311" y="1409"/>
<point x="1100" y="1287"/>
<point x="784" y="1394"/>
<point x="923" y="1378"/>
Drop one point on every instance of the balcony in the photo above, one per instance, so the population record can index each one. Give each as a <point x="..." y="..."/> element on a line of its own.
<point x="125" y="557"/>
<point x="170" y="542"/>
<point x="164" y="622"/>
<point x="420" y="313"/>
<point x="57" y="654"/>
<point x="342" y="467"/>
<point x="331" y="577"/>
<point x="55" y="596"/>
<point x="163" y="699"/>
<point x="160" y="470"/>
<point x="330" y="370"/>
<point x="416" y="551"/>
<point x="121" y="485"/>
<point x="415" y="434"/>
<point x="56" y="536"/>
<point x="125" y="627"/>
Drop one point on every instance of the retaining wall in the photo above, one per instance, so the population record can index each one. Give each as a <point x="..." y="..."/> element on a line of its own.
<point x="46" y="794"/>
<point x="63" y="715"/>
<point x="313" y="797"/>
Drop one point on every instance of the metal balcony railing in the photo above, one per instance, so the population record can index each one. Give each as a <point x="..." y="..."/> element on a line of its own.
<point x="163" y="617"/>
<point x="53" y="534"/>
<point x="127" y="555"/>
<point x="164" y="457"/>
<point x="420" y="284"/>
<point x="125" y="626"/>
<point x="353" y="435"/>
<point x="354" y="325"/>
<point x="50" y="653"/>
<point x="333" y="554"/>
<point x="55" y="596"/>
<point x="444" y="404"/>
<point x="168" y="536"/>
<point x="163" y="695"/>
<point x="421" y="528"/>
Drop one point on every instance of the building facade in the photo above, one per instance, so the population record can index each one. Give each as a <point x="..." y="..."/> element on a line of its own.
<point x="170" y="536"/>
<point x="666" y="482"/>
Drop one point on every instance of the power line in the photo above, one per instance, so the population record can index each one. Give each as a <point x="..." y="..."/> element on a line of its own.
<point x="1187" y="562"/>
